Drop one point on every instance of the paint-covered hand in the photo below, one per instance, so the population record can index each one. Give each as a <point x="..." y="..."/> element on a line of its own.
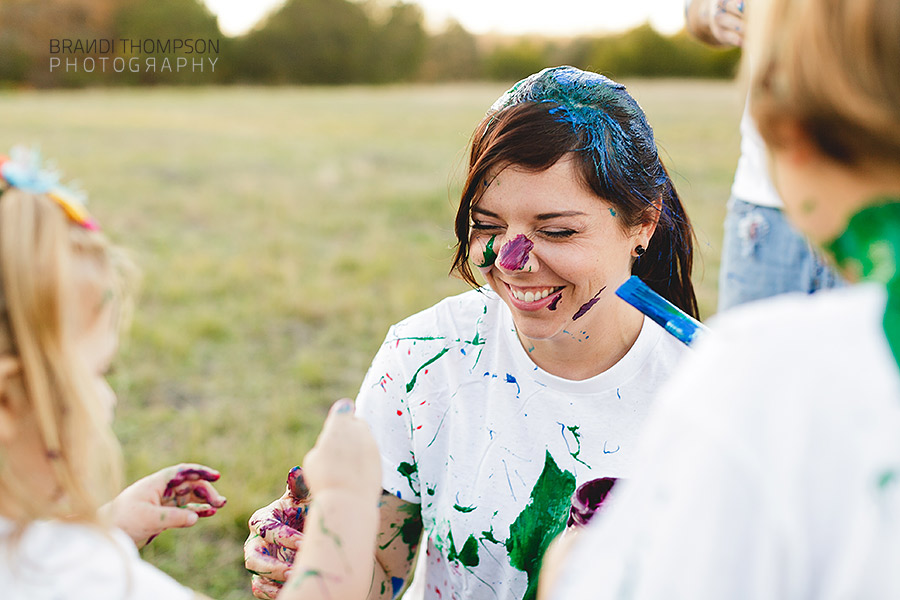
<point x="344" y="459"/>
<point x="176" y="496"/>
<point x="275" y="536"/>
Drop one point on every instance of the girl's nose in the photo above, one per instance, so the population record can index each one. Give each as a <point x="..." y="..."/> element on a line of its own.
<point x="514" y="255"/>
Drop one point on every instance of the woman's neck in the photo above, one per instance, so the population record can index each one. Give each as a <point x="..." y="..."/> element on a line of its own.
<point x="590" y="345"/>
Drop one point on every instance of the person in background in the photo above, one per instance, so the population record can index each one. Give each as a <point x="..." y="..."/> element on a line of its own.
<point x="762" y="253"/>
<point x="770" y="468"/>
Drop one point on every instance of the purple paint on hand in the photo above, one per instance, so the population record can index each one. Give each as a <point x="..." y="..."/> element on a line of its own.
<point x="587" y="305"/>
<point x="514" y="253"/>
<point x="188" y="475"/>
<point x="297" y="485"/>
<point x="588" y="499"/>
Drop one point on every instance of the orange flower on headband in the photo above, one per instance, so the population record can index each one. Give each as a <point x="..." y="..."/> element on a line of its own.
<point x="23" y="170"/>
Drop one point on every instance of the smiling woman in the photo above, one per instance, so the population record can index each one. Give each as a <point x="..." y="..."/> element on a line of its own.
<point x="564" y="193"/>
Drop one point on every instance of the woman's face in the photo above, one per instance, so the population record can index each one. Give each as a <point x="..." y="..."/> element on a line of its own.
<point x="580" y="252"/>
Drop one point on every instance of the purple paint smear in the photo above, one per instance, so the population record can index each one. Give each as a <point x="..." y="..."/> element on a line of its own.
<point x="588" y="499"/>
<point x="552" y="305"/>
<point x="188" y="475"/>
<point x="587" y="305"/>
<point x="514" y="253"/>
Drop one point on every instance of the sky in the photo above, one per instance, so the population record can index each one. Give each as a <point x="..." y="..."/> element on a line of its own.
<point x="567" y="17"/>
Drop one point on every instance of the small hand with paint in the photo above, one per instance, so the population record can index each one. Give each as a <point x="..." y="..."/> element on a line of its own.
<point x="345" y="460"/>
<point x="176" y="496"/>
<point x="275" y="536"/>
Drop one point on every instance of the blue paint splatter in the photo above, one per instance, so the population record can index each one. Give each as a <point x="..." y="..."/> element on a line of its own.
<point x="605" y="451"/>
<point x="511" y="379"/>
<point x="397" y="585"/>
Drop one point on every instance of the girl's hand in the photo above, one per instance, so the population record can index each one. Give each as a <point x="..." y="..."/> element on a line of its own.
<point x="345" y="459"/>
<point x="275" y="536"/>
<point x="176" y="496"/>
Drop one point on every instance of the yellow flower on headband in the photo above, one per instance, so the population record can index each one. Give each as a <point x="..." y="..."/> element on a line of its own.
<point x="23" y="170"/>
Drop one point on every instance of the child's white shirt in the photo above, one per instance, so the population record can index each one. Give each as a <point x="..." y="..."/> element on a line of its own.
<point x="770" y="467"/>
<point x="52" y="560"/>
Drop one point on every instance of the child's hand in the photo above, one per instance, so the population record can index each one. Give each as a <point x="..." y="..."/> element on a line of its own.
<point x="275" y="536"/>
<point x="345" y="457"/>
<point x="176" y="496"/>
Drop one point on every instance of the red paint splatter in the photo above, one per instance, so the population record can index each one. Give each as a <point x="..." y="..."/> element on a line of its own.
<point x="399" y="413"/>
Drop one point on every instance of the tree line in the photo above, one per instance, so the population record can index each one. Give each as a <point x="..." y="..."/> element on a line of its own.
<point x="307" y="42"/>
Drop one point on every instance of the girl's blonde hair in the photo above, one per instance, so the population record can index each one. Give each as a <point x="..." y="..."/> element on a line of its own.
<point x="50" y="269"/>
<point x="832" y="67"/>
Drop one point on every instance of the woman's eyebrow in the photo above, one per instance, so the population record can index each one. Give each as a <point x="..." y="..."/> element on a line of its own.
<point x="554" y="215"/>
<point x="487" y="213"/>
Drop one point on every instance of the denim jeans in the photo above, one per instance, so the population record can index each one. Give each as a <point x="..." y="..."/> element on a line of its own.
<point x="763" y="255"/>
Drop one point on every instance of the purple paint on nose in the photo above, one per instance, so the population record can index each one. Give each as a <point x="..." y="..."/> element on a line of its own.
<point x="588" y="499"/>
<point x="514" y="253"/>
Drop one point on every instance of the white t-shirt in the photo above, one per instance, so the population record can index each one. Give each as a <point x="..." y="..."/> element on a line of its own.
<point x="752" y="182"/>
<point x="492" y="446"/>
<point x="61" y="561"/>
<point x="770" y="468"/>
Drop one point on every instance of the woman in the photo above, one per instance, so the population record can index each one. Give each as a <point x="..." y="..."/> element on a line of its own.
<point x="491" y="407"/>
<point x="771" y="468"/>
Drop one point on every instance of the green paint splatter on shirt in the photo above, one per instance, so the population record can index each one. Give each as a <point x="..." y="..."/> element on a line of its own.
<point x="468" y="556"/>
<point x="543" y="518"/>
<point x="887" y="479"/>
<point x="463" y="509"/>
<point x="412" y="382"/>
<point x="870" y="247"/>
<point x="410" y="471"/>
<point x="574" y="431"/>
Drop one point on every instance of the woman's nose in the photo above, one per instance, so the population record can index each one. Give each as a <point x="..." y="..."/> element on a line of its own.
<point x="515" y="253"/>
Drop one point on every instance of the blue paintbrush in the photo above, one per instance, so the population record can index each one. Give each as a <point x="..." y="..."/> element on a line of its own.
<point x="671" y="318"/>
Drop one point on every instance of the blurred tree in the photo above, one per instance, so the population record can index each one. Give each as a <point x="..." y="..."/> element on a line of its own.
<point x="29" y="25"/>
<point x="399" y="44"/>
<point x="138" y="20"/>
<point x="309" y="41"/>
<point x="511" y="62"/>
<point x="451" y="55"/>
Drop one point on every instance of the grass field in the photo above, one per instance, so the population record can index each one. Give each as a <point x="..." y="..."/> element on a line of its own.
<point x="280" y="232"/>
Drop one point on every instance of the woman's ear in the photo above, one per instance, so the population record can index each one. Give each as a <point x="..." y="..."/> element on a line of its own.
<point x="646" y="229"/>
<point x="9" y="411"/>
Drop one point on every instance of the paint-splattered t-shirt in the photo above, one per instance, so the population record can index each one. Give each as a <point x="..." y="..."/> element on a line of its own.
<point x="770" y="468"/>
<point x="491" y="446"/>
<point x="53" y="560"/>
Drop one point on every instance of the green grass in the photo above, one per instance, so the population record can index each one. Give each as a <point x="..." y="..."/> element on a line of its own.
<point x="280" y="232"/>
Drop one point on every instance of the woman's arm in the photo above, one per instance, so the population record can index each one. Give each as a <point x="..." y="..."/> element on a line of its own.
<point x="399" y="533"/>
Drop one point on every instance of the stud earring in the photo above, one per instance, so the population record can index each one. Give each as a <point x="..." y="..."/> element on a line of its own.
<point x="639" y="250"/>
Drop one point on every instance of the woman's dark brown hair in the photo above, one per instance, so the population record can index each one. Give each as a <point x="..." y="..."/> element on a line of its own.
<point x="617" y="161"/>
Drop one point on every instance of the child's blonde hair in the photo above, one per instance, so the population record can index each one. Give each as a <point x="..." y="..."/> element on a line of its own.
<point x="832" y="67"/>
<point x="50" y="270"/>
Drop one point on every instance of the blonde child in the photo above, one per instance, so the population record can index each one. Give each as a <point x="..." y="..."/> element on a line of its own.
<point x="771" y="468"/>
<point x="61" y="301"/>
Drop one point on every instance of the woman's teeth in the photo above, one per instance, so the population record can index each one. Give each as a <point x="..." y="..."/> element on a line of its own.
<point x="532" y="296"/>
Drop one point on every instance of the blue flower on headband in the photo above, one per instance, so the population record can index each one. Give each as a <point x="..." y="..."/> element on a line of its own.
<point x="23" y="170"/>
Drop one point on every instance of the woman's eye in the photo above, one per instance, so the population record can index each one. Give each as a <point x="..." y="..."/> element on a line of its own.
<point x="484" y="226"/>
<point x="557" y="233"/>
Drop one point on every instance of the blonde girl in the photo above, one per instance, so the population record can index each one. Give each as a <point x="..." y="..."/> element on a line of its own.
<point x="62" y="299"/>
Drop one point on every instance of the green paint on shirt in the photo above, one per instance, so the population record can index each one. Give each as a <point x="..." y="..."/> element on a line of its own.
<point x="540" y="522"/>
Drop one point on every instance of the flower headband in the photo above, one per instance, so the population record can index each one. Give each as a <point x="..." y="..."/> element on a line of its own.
<point x="23" y="170"/>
